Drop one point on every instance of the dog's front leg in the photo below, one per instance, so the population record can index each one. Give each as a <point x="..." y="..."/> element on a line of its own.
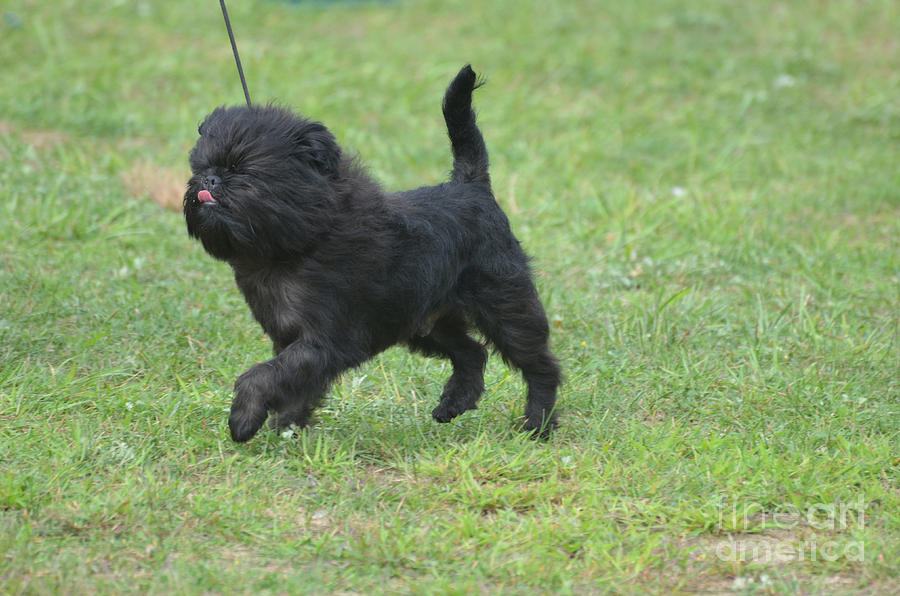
<point x="292" y="384"/>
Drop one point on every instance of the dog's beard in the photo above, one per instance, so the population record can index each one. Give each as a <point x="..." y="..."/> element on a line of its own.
<point x="256" y="222"/>
<point x="225" y="225"/>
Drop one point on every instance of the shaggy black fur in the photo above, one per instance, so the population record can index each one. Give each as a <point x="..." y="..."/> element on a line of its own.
<point x="336" y="270"/>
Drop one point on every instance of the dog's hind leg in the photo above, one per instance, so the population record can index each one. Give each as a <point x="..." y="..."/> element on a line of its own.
<point x="449" y="339"/>
<point x="509" y="313"/>
<point x="292" y="384"/>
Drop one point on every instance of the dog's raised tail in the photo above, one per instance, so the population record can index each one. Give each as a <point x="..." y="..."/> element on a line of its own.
<point x="470" y="157"/>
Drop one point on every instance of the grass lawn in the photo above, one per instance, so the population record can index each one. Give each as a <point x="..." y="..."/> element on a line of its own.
<point x="710" y="193"/>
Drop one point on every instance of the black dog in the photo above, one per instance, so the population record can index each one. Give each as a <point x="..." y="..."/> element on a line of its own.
<point x="336" y="270"/>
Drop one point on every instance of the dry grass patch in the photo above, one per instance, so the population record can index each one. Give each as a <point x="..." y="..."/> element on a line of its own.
<point x="39" y="139"/>
<point x="163" y="186"/>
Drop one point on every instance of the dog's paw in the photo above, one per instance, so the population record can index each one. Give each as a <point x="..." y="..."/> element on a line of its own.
<point x="540" y="427"/>
<point x="442" y="413"/>
<point x="243" y="427"/>
<point x="447" y="410"/>
<point x="248" y="410"/>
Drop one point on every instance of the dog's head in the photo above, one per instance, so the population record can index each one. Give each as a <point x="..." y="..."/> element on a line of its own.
<point x="262" y="183"/>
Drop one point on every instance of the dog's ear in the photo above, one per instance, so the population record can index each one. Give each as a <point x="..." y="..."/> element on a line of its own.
<point x="316" y="146"/>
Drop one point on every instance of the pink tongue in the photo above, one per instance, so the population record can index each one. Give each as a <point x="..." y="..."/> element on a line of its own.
<point x="205" y="197"/>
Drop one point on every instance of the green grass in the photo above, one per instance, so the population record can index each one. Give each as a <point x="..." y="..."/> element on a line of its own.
<point x="710" y="192"/>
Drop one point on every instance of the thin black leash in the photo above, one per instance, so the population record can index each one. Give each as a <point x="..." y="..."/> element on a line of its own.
<point x="237" y="59"/>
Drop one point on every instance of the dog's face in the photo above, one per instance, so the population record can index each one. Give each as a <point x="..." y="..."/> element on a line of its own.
<point x="262" y="184"/>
